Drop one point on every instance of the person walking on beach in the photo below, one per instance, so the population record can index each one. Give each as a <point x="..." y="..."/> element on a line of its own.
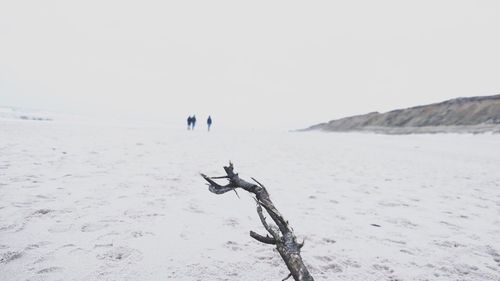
<point x="209" y="122"/>
<point x="189" y="121"/>
<point x="193" y="122"/>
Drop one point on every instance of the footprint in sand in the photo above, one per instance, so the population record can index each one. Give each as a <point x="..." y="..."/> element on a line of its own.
<point x="447" y="244"/>
<point x="350" y="263"/>
<point x="380" y="267"/>
<point x="331" y="267"/>
<point x="494" y="254"/>
<point x="137" y="234"/>
<point x="37" y="245"/>
<point x="194" y="209"/>
<point x="324" y="258"/>
<point x="9" y="256"/>
<point x="41" y="212"/>
<point x="328" y="241"/>
<point x="451" y="226"/>
<point x="404" y="223"/>
<point x="91" y="227"/>
<point x="50" y="270"/>
<point x="232" y="222"/>
<point x="103" y="245"/>
<point x="233" y="246"/>
<point x="120" y="254"/>
<point x="140" y="214"/>
<point x="7" y="227"/>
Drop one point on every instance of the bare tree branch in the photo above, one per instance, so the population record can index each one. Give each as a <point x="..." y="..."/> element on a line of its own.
<point x="264" y="239"/>
<point x="282" y="236"/>
<point x="274" y="232"/>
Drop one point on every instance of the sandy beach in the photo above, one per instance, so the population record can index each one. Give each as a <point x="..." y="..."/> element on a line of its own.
<point x="103" y="202"/>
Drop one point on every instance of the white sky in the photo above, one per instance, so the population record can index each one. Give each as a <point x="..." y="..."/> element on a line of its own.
<point x="259" y="64"/>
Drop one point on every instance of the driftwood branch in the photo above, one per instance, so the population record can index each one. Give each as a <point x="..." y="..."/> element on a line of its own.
<point x="264" y="239"/>
<point x="282" y="235"/>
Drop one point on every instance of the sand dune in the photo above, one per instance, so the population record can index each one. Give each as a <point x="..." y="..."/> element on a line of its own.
<point x="461" y="115"/>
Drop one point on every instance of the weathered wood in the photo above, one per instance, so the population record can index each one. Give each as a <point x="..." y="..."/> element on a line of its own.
<point x="281" y="235"/>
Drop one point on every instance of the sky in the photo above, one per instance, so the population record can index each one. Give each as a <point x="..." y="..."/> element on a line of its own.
<point x="256" y="64"/>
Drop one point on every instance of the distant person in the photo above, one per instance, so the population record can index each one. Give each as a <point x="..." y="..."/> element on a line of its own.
<point x="209" y="122"/>
<point x="193" y="122"/>
<point x="190" y="122"/>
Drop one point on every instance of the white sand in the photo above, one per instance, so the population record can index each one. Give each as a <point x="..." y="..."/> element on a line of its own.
<point x="115" y="203"/>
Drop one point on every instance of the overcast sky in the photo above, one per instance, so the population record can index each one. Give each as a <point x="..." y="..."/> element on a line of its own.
<point x="260" y="64"/>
